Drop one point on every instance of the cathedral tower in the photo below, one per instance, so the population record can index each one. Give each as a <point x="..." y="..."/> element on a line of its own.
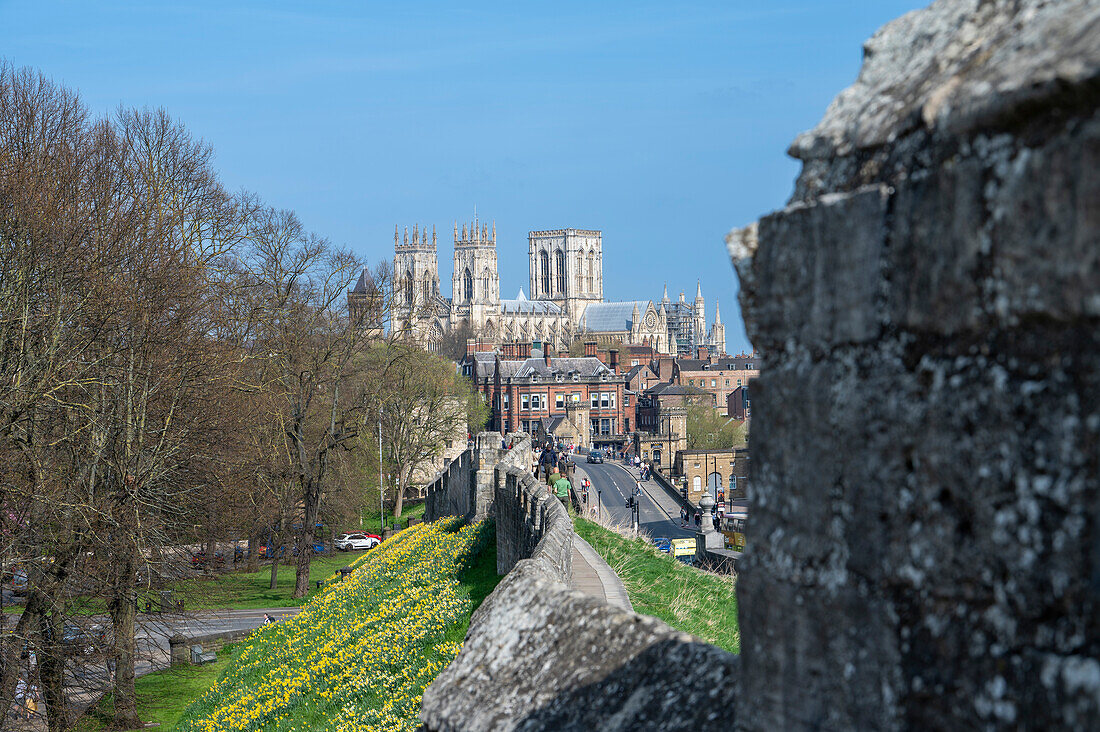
<point x="566" y="267"/>
<point x="475" y="285"/>
<point x="416" y="282"/>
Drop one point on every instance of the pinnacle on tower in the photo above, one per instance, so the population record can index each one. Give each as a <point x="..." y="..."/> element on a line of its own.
<point x="464" y="232"/>
<point x="433" y="235"/>
<point x="494" y="232"/>
<point x="665" y="297"/>
<point x="405" y="241"/>
<point x="416" y="235"/>
<point x="698" y="290"/>
<point x="717" y="313"/>
<point x="396" y="237"/>
<point x="456" y="229"/>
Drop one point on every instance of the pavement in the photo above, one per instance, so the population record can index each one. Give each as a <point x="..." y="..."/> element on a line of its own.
<point x="593" y="576"/>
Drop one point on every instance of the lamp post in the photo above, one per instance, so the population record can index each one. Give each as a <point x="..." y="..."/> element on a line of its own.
<point x="599" y="502"/>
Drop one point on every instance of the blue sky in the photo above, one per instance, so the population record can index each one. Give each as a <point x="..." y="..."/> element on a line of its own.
<point x="664" y="124"/>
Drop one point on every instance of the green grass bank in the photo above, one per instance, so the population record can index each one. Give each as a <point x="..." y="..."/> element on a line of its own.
<point x="686" y="598"/>
<point x="362" y="651"/>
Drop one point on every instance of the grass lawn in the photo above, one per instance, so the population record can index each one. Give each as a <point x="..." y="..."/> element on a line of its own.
<point x="686" y="598"/>
<point x="162" y="696"/>
<point x="251" y="590"/>
<point x="370" y="517"/>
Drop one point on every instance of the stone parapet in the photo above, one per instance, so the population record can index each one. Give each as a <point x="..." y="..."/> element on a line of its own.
<point x="922" y="547"/>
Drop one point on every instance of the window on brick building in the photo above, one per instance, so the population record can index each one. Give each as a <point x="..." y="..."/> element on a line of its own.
<point x="595" y="400"/>
<point x="525" y="402"/>
<point x="626" y="400"/>
<point x="559" y="401"/>
<point x="536" y="401"/>
<point x="506" y="399"/>
<point x="604" y="400"/>
<point x="612" y="400"/>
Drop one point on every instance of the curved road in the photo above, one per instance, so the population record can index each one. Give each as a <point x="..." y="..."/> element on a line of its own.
<point x="660" y="516"/>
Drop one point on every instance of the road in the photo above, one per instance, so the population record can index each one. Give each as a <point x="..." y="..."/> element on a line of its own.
<point x="660" y="514"/>
<point x="88" y="677"/>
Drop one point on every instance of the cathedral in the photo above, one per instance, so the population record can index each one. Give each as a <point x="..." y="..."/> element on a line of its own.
<point x="566" y="303"/>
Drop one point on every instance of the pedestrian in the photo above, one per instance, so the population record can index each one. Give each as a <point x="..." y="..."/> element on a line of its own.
<point x="32" y="701"/>
<point x="561" y="490"/>
<point x="268" y="620"/>
<point x="21" y="696"/>
<point x="698" y="519"/>
<point x="683" y="517"/>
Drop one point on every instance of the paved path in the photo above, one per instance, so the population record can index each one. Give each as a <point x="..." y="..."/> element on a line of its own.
<point x="593" y="576"/>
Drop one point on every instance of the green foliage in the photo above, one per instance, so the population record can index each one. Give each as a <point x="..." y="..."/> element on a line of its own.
<point x="686" y="598"/>
<point x="708" y="430"/>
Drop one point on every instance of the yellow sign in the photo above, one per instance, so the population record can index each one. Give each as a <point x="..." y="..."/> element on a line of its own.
<point x="683" y="547"/>
<point x="735" y="540"/>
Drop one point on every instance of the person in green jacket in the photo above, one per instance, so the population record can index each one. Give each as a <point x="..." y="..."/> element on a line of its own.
<point x="561" y="490"/>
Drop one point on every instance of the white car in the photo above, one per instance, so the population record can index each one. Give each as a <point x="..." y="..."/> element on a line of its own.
<point x="346" y="542"/>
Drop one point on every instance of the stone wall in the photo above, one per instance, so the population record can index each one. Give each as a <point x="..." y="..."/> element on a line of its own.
<point x="454" y="491"/>
<point x="540" y="656"/>
<point x="924" y="543"/>
<point x="530" y="523"/>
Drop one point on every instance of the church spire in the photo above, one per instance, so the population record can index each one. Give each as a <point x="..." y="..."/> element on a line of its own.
<point x="665" y="297"/>
<point x="698" y="290"/>
<point x="717" y="313"/>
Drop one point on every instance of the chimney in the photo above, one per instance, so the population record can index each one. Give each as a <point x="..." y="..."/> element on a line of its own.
<point x="471" y="346"/>
<point x="614" y="353"/>
<point x="524" y="350"/>
<point x="590" y="348"/>
<point x="702" y="353"/>
<point x="547" y="354"/>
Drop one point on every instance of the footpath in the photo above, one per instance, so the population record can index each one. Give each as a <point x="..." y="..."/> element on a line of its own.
<point x="591" y="574"/>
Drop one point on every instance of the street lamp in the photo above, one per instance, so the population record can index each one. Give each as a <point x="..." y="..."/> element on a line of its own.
<point x="599" y="502"/>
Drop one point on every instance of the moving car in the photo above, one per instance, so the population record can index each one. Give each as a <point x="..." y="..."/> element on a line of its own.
<point x="595" y="457"/>
<point x="359" y="540"/>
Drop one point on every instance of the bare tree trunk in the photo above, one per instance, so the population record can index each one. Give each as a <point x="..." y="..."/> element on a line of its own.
<point x="305" y="548"/>
<point x="273" y="549"/>
<point x="123" y="619"/>
<point x="51" y="672"/>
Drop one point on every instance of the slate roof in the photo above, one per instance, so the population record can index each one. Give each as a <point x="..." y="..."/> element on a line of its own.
<point x="583" y="366"/>
<point x="603" y="317"/>
<point x="362" y="282"/>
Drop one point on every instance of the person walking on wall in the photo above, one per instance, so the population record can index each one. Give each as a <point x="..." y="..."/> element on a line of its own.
<point x="561" y="490"/>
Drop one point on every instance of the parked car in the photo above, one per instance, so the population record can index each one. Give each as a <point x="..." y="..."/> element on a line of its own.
<point x="346" y="542"/>
<point x="198" y="559"/>
<point x="663" y="544"/>
<point x="595" y="456"/>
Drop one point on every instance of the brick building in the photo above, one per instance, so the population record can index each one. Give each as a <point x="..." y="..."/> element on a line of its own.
<point x="737" y="403"/>
<point x="712" y="471"/>
<point x="526" y="386"/>
<point x="719" y="376"/>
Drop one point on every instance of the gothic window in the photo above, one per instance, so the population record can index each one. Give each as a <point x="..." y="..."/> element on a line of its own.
<point x="486" y="279"/>
<point x="408" y="287"/>
<point x="559" y="266"/>
<point x="468" y="284"/>
<point x="544" y="268"/>
<point x="591" y="279"/>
